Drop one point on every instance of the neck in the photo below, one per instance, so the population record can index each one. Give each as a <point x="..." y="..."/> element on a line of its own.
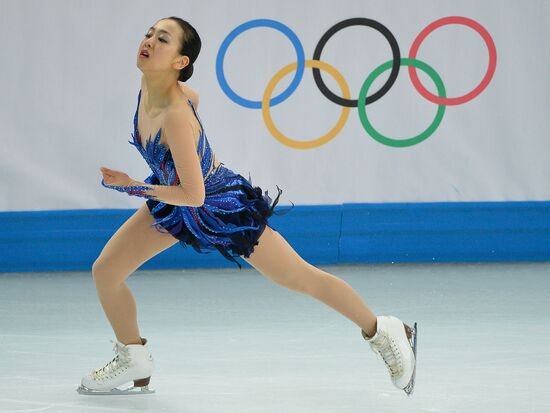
<point x="160" y="91"/>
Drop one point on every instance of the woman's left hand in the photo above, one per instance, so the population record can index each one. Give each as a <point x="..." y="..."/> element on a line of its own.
<point x="116" y="178"/>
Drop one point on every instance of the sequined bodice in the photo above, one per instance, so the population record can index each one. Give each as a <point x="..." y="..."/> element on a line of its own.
<point x="159" y="157"/>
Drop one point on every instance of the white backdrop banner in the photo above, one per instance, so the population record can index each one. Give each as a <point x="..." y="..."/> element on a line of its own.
<point x="453" y="98"/>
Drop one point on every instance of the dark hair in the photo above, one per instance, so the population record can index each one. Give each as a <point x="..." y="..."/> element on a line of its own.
<point x="190" y="46"/>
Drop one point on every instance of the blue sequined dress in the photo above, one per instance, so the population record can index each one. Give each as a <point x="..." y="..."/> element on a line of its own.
<point x="234" y="213"/>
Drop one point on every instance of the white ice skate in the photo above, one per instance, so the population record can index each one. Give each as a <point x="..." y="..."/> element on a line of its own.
<point x="395" y="343"/>
<point x="133" y="362"/>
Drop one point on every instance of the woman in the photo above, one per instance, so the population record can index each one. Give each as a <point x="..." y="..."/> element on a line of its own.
<point x="193" y="199"/>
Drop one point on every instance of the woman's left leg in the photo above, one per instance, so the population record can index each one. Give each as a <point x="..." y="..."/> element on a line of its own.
<point x="274" y="258"/>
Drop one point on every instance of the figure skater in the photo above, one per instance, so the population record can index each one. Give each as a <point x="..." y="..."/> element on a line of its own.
<point x="191" y="198"/>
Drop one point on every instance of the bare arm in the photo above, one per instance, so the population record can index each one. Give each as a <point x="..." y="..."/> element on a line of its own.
<point x="191" y="191"/>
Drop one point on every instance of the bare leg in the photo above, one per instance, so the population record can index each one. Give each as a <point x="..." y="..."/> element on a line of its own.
<point x="133" y="243"/>
<point x="276" y="259"/>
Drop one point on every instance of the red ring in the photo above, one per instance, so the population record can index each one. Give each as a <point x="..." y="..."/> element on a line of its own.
<point x="490" y="69"/>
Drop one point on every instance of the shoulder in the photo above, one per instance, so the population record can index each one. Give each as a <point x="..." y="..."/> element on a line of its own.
<point x="176" y="117"/>
<point x="178" y="130"/>
<point x="193" y="94"/>
<point x="178" y="121"/>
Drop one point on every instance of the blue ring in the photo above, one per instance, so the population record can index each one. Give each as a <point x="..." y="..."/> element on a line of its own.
<point x="300" y="56"/>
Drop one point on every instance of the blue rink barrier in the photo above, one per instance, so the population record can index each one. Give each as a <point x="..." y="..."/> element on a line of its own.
<point x="63" y="240"/>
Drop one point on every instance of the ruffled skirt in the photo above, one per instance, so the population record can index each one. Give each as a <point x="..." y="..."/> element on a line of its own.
<point x="231" y="220"/>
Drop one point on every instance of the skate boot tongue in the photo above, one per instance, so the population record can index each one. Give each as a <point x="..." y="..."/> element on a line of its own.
<point x="122" y="350"/>
<point x="387" y="349"/>
<point x="121" y="359"/>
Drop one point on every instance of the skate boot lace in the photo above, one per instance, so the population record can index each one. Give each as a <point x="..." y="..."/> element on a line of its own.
<point x="387" y="349"/>
<point x="118" y="364"/>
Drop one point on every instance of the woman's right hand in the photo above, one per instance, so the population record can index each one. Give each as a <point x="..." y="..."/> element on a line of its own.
<point x="115" y="178"/>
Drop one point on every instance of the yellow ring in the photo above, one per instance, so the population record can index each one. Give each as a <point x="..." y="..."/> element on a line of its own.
<point x="266" y="114"/>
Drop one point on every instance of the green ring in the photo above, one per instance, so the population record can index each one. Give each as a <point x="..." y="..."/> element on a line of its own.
<point x="401" y="142"/>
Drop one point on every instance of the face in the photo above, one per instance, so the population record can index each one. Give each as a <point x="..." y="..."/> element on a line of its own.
<point x="162" y="42"/>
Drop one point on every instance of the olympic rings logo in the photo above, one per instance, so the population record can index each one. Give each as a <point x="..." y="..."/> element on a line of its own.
<point x="316" y="64"/>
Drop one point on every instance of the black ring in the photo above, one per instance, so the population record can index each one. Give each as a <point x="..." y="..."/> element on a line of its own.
<point x="357" y="21"/>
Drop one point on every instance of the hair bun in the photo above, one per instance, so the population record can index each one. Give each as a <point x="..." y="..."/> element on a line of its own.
<point x="186" y="73"/>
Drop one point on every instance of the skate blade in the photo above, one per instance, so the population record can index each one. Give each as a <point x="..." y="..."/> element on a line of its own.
<point x="115" y="392"/>
<point x="410" y="387"/>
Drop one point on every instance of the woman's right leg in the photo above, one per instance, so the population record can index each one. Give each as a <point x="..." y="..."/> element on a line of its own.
<point x="134" y="243"/>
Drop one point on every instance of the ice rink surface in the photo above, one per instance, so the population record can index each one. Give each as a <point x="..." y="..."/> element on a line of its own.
<point x="226" y="341"/>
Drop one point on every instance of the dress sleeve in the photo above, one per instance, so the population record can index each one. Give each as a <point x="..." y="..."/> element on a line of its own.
<point x="135" y="190"/>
